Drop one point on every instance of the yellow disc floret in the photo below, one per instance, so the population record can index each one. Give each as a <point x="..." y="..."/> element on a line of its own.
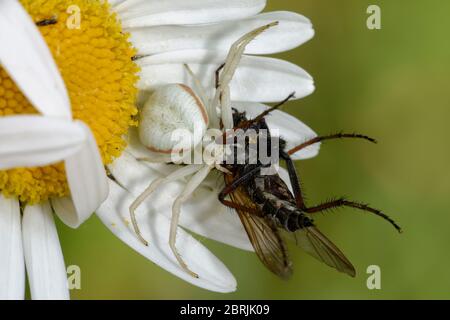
<point x="94" y="57"/>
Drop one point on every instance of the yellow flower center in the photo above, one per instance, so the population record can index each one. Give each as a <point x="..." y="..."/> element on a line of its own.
<point x="94" y="57"/>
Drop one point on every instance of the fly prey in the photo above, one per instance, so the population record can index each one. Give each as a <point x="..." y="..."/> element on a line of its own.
<point x="266" y="206"/>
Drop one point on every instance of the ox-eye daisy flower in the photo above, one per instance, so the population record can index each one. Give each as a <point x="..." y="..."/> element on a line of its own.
<point x="58" y="129"/>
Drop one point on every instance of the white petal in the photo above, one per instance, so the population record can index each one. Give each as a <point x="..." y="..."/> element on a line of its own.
<point x="139" y="13"/>
<point x="26" y="57"/>
<point x="292" y="31"/>
<point x="284" y="175"/>
<point x="213" y="275"/>
<point x="258" y="79"/>
<point x="288" y="127"/>
<point x="43" y="256"/>
<point x="66" y="211"/>
<point x="28" y="141"/>
<point x="12" y="267"/>
<point x="203" y="213"/>
<point x="115" y="2"/>
<point x="87" y="182"/>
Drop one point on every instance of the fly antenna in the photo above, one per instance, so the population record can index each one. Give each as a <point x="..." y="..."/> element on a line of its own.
<point x="275" y="107"/>
<point x="248" y="123"/>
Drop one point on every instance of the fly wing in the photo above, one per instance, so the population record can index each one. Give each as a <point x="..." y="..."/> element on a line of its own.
<point x="268" y="244"/>
<point x="278" y="188"/>
<point x="320" y="247"/>
<point x="264" y="236"/>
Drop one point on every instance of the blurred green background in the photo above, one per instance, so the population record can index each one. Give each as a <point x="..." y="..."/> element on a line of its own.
<point x="391" y="84"/>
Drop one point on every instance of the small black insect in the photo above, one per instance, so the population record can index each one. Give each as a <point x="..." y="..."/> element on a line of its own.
<point x="265" y="205"/>
<point x="47" y="22"/>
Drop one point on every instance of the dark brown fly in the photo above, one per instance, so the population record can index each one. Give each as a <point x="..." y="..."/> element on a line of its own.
<point x="266" y="206"/>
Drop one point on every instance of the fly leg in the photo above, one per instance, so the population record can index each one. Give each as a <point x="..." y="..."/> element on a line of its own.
<point x="339" y="203"/>
<point x="248" y="123"/>
<point x="331" y="204"/>
<point x="261" y="116"/>
<point x="236" y="183"/>
<point x="293" y="176"/>
<point x="329" y="137"/>
<point x="217" y="83"/>
<point x="295" y="181"/>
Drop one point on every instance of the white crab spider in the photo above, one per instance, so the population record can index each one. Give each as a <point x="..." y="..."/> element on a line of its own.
<point x="176" y="106"/>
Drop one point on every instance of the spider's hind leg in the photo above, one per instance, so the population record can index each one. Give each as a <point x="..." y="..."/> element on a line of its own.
<point x="192" y="184"/>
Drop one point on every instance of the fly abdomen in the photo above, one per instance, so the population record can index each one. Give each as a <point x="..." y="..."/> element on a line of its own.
<point x="292" y="221"/>
<point x="284" y="213"/>
<point x="297" y="221"/>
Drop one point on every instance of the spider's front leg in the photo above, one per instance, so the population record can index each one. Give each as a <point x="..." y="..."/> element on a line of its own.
<point x="178" y="174"/>
<point x="229" y="68"/>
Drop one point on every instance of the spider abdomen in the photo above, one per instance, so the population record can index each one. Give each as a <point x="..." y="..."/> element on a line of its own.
<point x="172" y="119"/>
